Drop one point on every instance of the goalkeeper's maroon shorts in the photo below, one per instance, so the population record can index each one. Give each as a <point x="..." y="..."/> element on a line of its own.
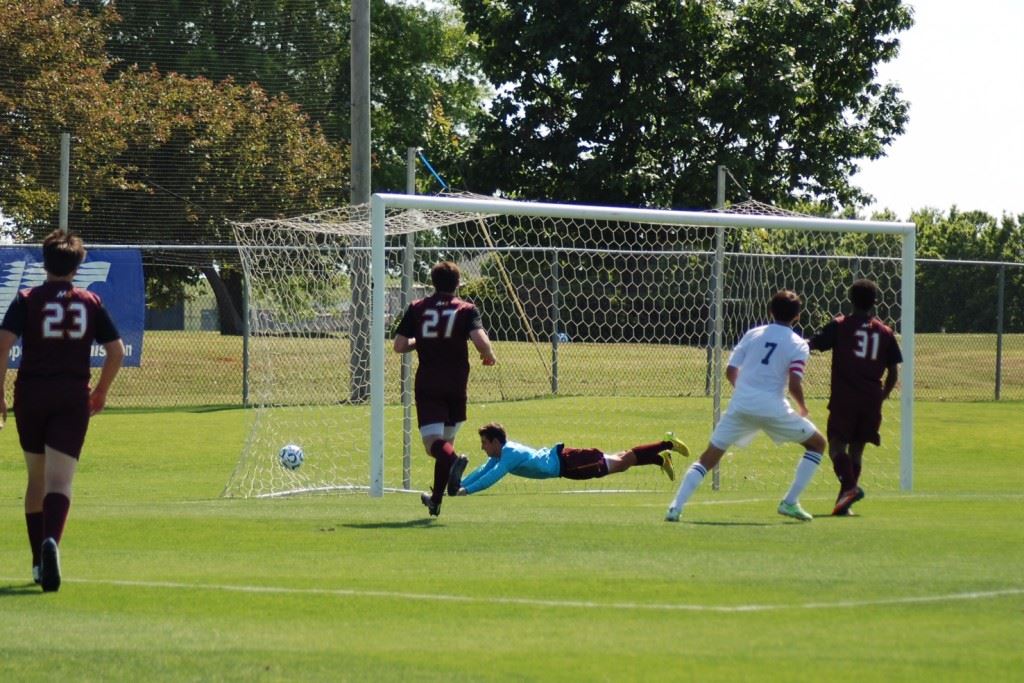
<point x="582" y="463"/>
<point x="855" y="422"/>
<point x="51" y="413"/>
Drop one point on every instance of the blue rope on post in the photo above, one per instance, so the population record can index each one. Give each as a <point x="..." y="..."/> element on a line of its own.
<point x="423" y="158"/>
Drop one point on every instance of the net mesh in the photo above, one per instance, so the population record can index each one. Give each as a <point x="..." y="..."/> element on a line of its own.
<point x="610" y="323"/>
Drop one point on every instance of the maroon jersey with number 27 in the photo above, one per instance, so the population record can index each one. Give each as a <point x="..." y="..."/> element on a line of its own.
<point x="441" y="324"/>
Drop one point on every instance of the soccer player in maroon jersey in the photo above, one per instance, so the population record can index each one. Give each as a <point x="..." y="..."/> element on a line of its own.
<point x="58" y="323"/>
<point x="437" y="328"/>
<point x="864" y="350"/>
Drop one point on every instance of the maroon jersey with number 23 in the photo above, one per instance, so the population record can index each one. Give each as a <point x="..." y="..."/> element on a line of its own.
<point x="58" y="324"/>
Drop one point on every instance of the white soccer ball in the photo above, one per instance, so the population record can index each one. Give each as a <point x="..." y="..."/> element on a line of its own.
<point x="291" y="456"/>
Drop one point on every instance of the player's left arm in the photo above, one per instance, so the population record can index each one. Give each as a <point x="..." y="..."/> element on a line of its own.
<point x="111" y="365"/>
<point x="894" y="357"/>
<point x="7" y="340"/>
<point x="796" y="377"/>
<point x="405" y="340"/>
<point x="796" y="390"/>
<point x="892" y="375"/>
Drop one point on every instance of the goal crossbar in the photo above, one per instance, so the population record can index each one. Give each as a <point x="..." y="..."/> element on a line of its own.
<point x="381" y="202"/>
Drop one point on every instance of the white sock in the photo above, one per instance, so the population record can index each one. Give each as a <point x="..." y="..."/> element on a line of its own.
<point x="805" y="470"/>
<point x="691" y="480"/>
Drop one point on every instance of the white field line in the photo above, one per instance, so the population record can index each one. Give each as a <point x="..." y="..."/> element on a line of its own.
<point x="536" y="602"/>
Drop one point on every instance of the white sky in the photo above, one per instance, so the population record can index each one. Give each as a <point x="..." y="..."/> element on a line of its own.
<point x="961" y="67"/>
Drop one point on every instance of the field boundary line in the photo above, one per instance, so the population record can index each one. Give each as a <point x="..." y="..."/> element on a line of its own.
<point x="539" y="602"/>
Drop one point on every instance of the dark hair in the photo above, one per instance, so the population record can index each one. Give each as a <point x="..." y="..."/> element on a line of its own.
<point x="62" y="253"/>
<point x="493" y="431"/>
<point x="445" y="276"/>
<point x="863" y="294"/>
<point x="785" y="306"/>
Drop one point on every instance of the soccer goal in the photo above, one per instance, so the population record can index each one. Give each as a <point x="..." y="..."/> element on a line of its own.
<point x="611" y="326"/>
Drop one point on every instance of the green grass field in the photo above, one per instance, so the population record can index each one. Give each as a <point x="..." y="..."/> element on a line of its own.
<point x="164" y="580"/>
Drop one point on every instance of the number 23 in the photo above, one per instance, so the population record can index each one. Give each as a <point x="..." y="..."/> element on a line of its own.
<point x="53" y="320"/>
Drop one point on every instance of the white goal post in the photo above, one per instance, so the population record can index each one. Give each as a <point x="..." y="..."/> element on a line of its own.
<point x="382" y="203"/>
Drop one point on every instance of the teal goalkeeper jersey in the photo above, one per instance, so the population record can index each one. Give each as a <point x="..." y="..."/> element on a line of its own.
<point x="517" y="459"/>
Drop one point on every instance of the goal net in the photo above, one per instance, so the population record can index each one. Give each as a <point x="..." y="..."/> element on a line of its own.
<point x="611" y="326"/>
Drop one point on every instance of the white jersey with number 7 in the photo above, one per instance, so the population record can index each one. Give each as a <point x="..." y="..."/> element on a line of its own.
<point x="764" y="357"/>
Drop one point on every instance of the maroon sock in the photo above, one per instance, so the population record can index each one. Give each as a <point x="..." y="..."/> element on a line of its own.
<point x="855" y="473"/>
<point x="55" y="514"/>
<point x="842" y="465"/>
<point x="444" y="456"/>
<point x="647" y="454"/>
<point x="34" y="524"/>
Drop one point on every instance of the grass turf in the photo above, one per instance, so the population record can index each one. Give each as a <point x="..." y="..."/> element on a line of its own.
<point x="165" y="579"/>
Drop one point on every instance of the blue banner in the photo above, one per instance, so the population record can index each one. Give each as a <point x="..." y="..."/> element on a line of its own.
<point x="114" y="274"/>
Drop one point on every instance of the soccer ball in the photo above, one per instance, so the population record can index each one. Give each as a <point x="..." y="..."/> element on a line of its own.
<point x="291" y="456"/>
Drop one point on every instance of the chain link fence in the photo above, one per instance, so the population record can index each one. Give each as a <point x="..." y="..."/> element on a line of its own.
<point x="970" y="332"/>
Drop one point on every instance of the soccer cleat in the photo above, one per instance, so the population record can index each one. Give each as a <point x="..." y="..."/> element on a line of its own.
<point x="455" y="474"/>
<point x="49" y="566"/>
<point x="35" y="575"/>
<point x="433" y="508"/>
<point x="666" y="465"/>
<point x="672" y="515"/>
<point x="846" y="499"/>
<point x="677" y="445"/>
<point x="795" y="511"/>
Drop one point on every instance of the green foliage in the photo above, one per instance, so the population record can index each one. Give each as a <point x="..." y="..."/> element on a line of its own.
<point x="424" y="80"/>
<point x="954" y="298"/>
<point x="636" y="103"/>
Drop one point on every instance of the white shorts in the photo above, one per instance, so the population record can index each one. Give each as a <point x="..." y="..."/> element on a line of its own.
<point x="741" y="428"/>
<point x="439" y="430"/>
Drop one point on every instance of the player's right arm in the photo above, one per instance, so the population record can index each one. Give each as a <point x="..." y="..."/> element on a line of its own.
<point x="825" y="340"/>
<point x="483" y="346"/>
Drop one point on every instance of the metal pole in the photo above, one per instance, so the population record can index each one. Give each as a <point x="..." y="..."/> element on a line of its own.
<point x="556" y="321"/>
<point x="245" y="341"/>
<point x="407" y="266"/>
<point x="907" y="322"/>
<point x="1000" y="298"/>
<point x="367" y="268"/>
<point x="718" y="285"/>
<point x="65" y="175"/>
<point x="377" y="350"/>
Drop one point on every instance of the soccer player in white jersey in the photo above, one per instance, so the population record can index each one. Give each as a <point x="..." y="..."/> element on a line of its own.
<point x="768" y="360"/>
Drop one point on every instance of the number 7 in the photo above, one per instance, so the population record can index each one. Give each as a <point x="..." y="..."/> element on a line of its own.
<point x="771" y="346"/>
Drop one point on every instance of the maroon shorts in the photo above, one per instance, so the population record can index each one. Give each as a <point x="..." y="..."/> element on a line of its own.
<point x="440" y="402"/>
<point x="53" y="414"/>
<point x="855" y="423"/>
<point x="582" y="463"/>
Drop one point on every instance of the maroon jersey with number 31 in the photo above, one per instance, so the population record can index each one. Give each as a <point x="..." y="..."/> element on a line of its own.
<point x="862" y="348"/>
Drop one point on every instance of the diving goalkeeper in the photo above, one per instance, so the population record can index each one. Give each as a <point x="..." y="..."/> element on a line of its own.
<point x="509" y="457"/>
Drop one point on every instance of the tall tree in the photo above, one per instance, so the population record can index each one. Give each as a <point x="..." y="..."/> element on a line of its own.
<point x="425" y="84"/>
<point x="637" y="102"/>
<point x="156" y="158"/>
